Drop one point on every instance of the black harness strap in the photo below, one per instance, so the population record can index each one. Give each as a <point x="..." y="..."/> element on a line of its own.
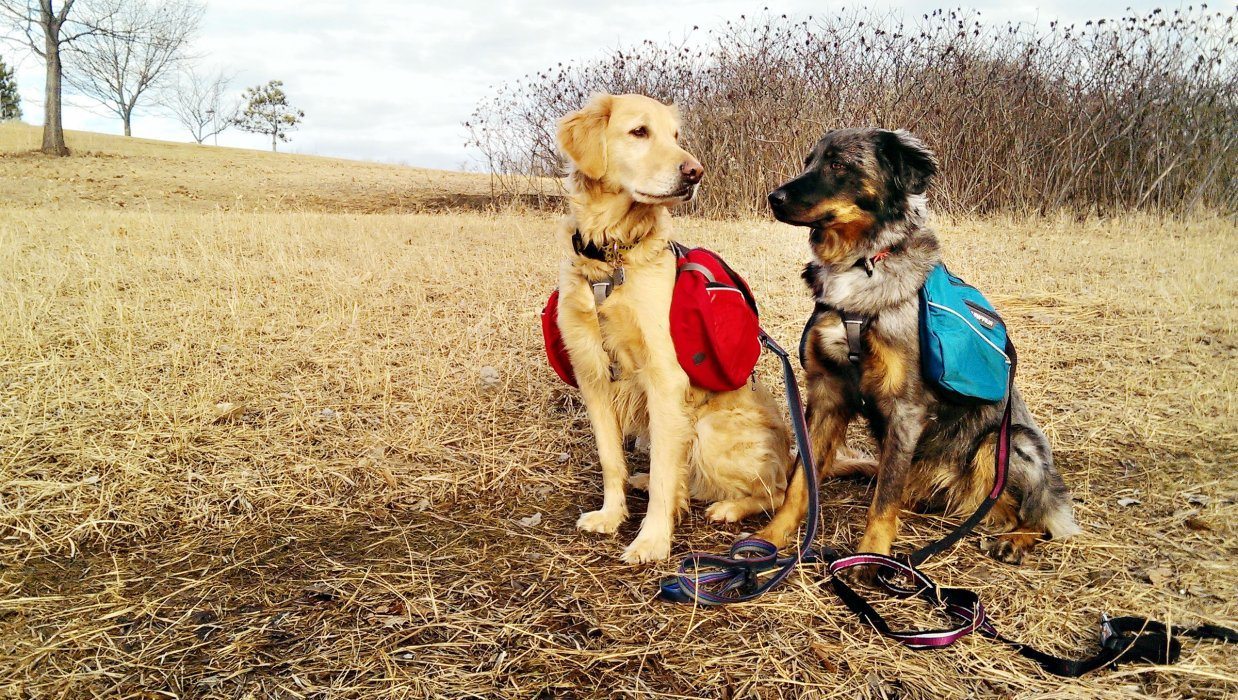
<point x="1122" y="639"/>
<point x="812" y="321"/>
<point x="855" y="325"/>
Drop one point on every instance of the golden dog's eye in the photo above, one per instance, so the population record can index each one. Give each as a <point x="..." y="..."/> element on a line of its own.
<point x="639" y="132"/>
<point x="836" y="165"/>
<point x="676" y="135"/>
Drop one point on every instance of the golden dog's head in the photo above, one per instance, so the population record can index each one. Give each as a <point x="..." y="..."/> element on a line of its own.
<point x="631" y="143"/>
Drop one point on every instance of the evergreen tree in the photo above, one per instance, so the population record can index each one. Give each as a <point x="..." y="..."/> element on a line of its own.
<point x="10" y="101"/>
<point x="267" y="112"/>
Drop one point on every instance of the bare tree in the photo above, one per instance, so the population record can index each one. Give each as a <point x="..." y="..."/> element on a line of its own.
<point x="200" y="102"/>
<point x="135" y="49"/>
<point x="267" y="112"/>
<point x="49" y="27"/>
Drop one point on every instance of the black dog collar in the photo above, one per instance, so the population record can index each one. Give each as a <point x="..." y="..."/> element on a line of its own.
<point x="590" y="250"/>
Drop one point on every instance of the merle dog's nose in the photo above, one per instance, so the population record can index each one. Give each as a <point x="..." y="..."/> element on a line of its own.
<point x="777" y="198"/>
<point x="692" y="170"/>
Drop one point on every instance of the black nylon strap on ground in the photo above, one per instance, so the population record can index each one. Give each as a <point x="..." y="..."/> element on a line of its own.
<point x="1123" y="640"/>
<point x="951" y="600"/>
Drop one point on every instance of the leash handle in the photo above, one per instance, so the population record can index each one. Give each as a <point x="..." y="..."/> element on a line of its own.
<point x="711" y="579"/>
<point x="959" y="603"/>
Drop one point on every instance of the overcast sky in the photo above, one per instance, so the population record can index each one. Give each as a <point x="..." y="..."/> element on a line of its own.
<point x="392" y="81"/>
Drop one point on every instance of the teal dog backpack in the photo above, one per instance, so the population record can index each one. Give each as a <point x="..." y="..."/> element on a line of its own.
<point x="963" y="346"/>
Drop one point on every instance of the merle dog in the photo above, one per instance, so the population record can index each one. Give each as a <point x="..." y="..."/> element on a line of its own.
<point x="862" y="197"/>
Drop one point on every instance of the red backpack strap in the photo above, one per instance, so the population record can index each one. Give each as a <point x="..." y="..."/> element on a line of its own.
<point x="736" y="281"/>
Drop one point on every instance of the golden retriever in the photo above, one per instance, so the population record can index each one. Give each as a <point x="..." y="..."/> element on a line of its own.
<point x="731" y="448"/>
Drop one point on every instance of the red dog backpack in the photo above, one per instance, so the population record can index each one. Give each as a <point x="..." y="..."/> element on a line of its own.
<point x="714" y="324"/>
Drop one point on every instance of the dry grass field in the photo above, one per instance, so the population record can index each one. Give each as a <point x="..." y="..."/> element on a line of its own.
<point x="246" y="450"/>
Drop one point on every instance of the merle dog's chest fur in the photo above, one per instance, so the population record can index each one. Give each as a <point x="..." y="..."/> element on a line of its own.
<point x="894" y="281"/>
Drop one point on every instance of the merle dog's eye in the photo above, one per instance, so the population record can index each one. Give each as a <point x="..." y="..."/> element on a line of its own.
<point x="837" y="165"/>
<point x="639" y="132"/>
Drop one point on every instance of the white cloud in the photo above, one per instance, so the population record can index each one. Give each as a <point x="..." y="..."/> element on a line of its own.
<point x="393" y="81"/>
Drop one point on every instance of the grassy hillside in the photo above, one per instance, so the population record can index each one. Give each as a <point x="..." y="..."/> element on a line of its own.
<point x="247" y="451"/>
<point x="116" y="172"/>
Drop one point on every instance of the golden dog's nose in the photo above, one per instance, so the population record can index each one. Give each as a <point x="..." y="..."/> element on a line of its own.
<point x="692" y="170"/>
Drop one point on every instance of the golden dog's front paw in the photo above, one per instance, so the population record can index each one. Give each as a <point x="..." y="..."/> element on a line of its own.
<point x="775" y="535"/>
<point x="603" y="521"/>
<point x="647" y="548"/>
<point x="728" y="511"/>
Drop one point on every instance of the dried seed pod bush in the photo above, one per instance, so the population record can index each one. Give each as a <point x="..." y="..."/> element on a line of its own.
<point x="1097" y="118"/>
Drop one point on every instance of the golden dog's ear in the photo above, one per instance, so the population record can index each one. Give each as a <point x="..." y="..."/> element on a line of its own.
<point x="582" y="136"/>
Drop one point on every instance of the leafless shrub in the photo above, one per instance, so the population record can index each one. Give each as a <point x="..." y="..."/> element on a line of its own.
<point x="1136" y="112"/>
<point x="200" y="102"/>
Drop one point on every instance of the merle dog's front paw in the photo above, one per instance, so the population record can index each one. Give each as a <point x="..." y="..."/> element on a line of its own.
<point x="1009" y="548"/>
<point x="860" y="576"/>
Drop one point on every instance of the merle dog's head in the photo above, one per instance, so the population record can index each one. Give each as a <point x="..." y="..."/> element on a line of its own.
<point x="855" y="181"/>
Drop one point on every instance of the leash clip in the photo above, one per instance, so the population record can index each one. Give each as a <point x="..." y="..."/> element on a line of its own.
<point x="1106" y="629"/>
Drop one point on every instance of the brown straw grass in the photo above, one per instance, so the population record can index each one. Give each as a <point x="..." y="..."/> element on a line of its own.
<point x="251" y="454"/>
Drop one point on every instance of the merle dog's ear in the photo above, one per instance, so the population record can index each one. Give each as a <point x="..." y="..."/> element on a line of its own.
<point x="909" y="160"/>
